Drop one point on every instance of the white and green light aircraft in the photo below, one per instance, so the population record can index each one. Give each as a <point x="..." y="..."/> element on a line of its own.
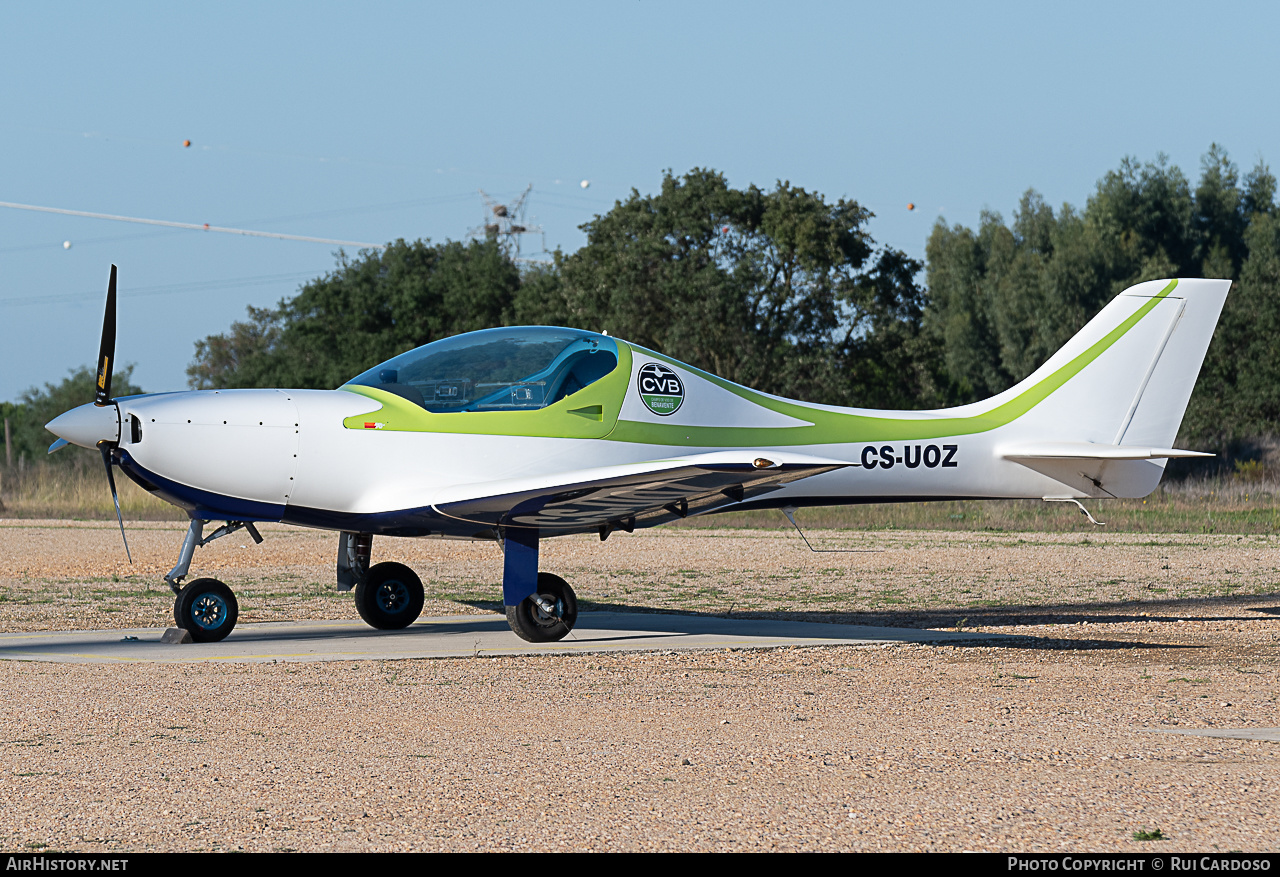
<point x="515" y="435"/>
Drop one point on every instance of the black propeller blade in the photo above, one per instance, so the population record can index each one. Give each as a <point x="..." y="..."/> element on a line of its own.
<point x="102" y="394"/>
<point x="106" y="447"/>
<point x="107" y="349"/>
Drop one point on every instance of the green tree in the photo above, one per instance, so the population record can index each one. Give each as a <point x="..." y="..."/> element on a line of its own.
<point x="1144" y="218"/>
<point x="1238" y="396"/>
<point x="1004" y="298"/>
<point x="366" y="310"/>
<point x="774" y="290"/>
<point x="1220" y="219"/>
<point x="778" y="290"/>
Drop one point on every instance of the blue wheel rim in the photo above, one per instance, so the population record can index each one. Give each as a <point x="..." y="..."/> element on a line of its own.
<point x="209" y="611"/>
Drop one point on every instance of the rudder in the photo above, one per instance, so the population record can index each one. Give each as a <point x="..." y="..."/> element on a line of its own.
<point x="1126" y="377"/>
<point x="1103" y="413"/>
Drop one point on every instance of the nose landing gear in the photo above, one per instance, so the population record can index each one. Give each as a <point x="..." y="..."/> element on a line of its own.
<point x="206" y="608"/>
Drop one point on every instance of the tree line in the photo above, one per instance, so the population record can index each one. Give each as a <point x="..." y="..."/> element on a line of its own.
<point x="1005" y="296"/>
<point x="787" y="292"/>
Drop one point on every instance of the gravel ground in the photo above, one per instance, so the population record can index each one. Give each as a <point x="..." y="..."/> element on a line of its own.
<point x="1051" y="743"/>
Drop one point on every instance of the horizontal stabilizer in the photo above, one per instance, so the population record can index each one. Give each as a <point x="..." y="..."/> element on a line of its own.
<point x="631" y="495"/>
<point x="1096" y="469"/>
<point x="1092" y="451"/>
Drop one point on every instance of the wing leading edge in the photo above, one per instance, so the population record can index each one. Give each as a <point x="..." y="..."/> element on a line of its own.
<point x="630" y="496"/>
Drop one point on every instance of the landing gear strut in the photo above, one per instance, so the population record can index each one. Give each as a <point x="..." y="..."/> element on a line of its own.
<point x="206" y="608"/>
<point x="541" y="607"/>
<point x="353" y="558"/>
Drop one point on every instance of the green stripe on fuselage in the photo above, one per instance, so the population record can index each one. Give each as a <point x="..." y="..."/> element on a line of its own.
<point x="562" y="419"/>
<point x="832" y="427"/>
<point x="823" y="427"/>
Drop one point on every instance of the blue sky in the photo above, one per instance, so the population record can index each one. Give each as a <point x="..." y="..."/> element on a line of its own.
<point x="372" y="122"/>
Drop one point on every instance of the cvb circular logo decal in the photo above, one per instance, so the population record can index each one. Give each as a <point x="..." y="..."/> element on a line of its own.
<point x="660" y="388"/>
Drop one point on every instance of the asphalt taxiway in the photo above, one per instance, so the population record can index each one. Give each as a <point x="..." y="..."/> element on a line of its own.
<point x="455" y="636"/>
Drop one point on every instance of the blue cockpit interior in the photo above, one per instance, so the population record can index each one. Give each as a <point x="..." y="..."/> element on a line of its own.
<point x="507" y="369"/>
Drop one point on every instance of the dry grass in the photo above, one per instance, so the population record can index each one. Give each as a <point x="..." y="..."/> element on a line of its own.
<point x="76" y="492"/>
<point x="1216" y="505"/>
<point x="1244" y="504"/>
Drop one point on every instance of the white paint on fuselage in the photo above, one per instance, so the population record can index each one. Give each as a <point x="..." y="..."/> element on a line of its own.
<point x="366" y="471"/>
<point x="1133" y="378"/>
<point x="235" y="443"/>
<point x="291" y="447"/>
<point x="708" y="405"/>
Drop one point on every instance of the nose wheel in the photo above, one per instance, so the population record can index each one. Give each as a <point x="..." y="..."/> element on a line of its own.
<point x="548" y="615"/>
<point x="207" y="609"/>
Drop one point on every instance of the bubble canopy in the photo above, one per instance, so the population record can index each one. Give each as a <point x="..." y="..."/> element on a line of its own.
<point x="508" y="369"/>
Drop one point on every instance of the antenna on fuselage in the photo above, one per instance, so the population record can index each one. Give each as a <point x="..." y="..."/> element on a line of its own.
<point x="790" y="512"/>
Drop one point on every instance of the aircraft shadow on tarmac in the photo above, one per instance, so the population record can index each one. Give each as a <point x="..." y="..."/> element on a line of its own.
<point x="604" y="622"/>
<point x="453" y="635"/>
<point x="1150" y="611"/>
<point x="251" y="634"/>
<point x="975" y="618"/>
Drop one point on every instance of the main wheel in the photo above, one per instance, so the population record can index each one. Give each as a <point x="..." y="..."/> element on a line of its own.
<point x="389" y="597"/>
<point x="207" y="610"/>
<point x="532" y="623"/>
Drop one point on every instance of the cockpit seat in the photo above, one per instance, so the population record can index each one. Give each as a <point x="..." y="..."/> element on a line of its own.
<point x="405" y="391"/>
<point x="583" y="368"/>
<point x="512" y="368"/>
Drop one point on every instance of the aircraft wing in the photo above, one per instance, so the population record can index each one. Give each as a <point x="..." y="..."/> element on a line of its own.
<point x="628" y="496"/>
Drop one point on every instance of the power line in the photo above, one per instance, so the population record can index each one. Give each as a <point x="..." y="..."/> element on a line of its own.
<point x="374" y="208"/>
<point x="340" y="211"/>
<point x="193" y="226"/>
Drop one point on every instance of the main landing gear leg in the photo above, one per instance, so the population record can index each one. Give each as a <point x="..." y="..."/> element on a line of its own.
<point x="389" y="596"/>
<point x="353" y="559"/>
<point x="541" y="607"/>
<point x="206" y="608"/>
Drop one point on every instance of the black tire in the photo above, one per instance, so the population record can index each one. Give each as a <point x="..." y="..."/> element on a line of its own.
<point x="207" y="609"/>
<point x="533" y="625"/>
<point x="389" y="597"/>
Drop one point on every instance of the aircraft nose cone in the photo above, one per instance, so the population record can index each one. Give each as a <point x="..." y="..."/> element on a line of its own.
<point x="87" y="425"/>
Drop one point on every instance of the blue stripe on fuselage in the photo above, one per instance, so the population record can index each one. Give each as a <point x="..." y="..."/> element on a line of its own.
<point x="209" y="506"/>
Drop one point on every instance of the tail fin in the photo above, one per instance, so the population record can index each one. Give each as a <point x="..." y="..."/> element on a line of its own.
<point x="1120" y="385"/>
<point x="1161" y="400"/>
